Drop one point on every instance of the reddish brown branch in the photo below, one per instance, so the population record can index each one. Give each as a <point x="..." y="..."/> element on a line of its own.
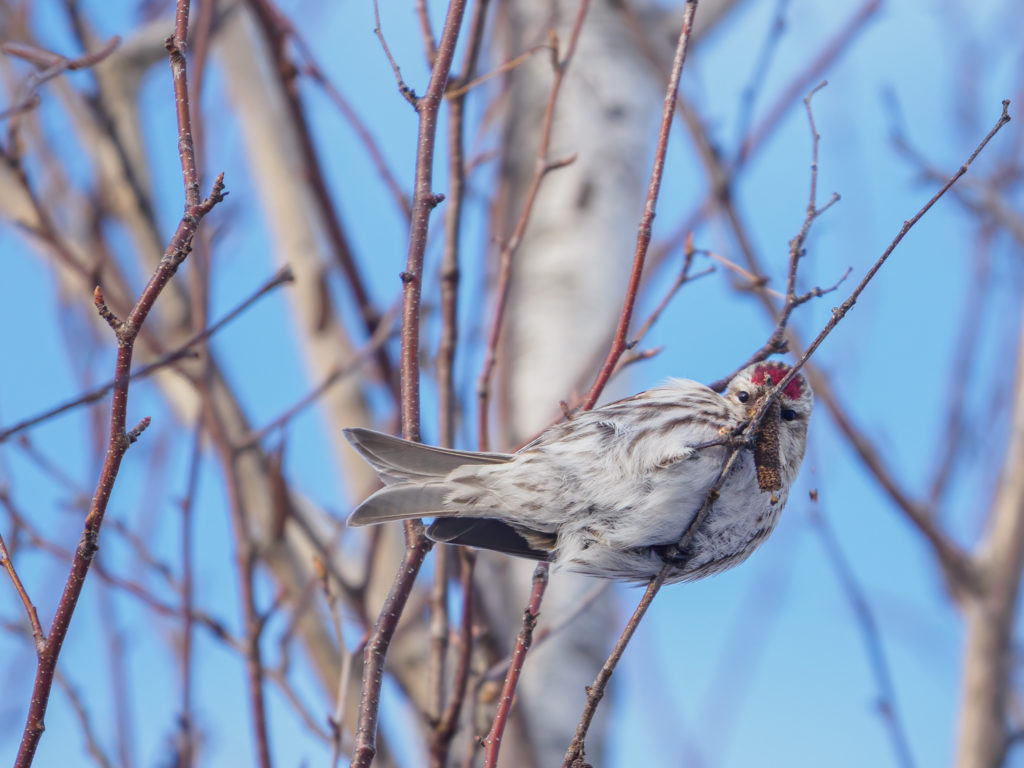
<point x="26" y="601"/>
<point x="831" y="51"/>
<point x="119" y="437"/>
<point x="500" y="69"/>
<point x="647" y="219"/>
<point x="682" y="279"/>
<point x="457" y="171"/>
<point x="439" y="627"/>
<point x="574" y="756"/>
<point x="955" y="563"/>
<point x="377" y="648"/>
<point x="492" y="743"/>
<point x="840" y="312"/>
<point x="216" y="627"/>
<point x="407" y="93"/>
<point x="595" y="692"/>
<point x="176" y="46"/>
<point x="777" y="341"/>
<point x="416" y="543"/>
<point x="429" y="43"/>
<point x="619" y="346"/>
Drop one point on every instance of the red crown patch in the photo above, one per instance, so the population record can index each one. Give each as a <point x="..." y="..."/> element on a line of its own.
<point x="772" y="373"/>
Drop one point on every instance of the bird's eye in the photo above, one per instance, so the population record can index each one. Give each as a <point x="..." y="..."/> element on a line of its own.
<point x="788" y="414"/>
<point x="743" y="396"/>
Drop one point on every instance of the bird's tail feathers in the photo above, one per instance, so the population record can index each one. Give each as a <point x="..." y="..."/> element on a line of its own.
<point x="396" y="460"/>
<point x="401" y="501"/>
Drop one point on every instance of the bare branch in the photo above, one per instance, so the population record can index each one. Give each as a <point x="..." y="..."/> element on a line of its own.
<point x="647" y="220"/>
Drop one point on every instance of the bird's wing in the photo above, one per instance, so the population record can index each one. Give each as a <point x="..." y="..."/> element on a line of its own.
<point x="652" y="430"/>
<point x="396" y="460"/>
<point x="401" y="501"/>
<point x="486" y="533"/>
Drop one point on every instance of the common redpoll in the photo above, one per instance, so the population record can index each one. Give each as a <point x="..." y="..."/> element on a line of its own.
<point x="611" y="491"/>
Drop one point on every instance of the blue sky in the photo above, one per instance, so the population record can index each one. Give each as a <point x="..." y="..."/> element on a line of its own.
<point x="762" y="666"/>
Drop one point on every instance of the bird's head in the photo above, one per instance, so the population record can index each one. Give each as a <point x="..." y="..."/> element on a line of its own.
<point x="747" y="391"/>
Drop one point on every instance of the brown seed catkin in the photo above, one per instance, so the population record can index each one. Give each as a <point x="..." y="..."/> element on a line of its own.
<point x="766" y="450"/>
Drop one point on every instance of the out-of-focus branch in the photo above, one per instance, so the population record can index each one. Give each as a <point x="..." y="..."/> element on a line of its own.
<point x="777" y="341"/>
<point x="245" y="561"/>
<point x="544" y="165"/>
<point x="991" y="612"/>
<point x="186" y="747"/>
<point x="30" y="609"/>
<point x="50" y="65"/>
<point x="277" y="31"/>
<point x="872" y="638"/>
<point x="282" y="277"/>
<point x="92" y="743"/>
<point x="720" y="183"/>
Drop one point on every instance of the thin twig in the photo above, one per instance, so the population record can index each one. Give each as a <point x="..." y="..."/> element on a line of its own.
<point x="407" y="93"/>
<point x="840" y="312"/>
<point x="953" y="560"/>
<point x="758" y="137"/>
<point x="501" y="69"/>
<point x="492" y="742"/>
<point x="245" y="561"/>
<point x="216" y="627"/>
<point x="647" y="220"/>
<point x="956" y="565"/>
<point x="30" y="610"/>
<point x="120" y="438"/>
<point x="416" y="543"/>
<point x="445" y="729"/>
<point x="500" y="669"/>
<point x="776" y="343"/>
<point x="872" y="638"/>
<point x="92" y="743"/>
<point x="429" y="43"/>
<point x="760" y="70"/>
<point x="574" y="755"/>
<point x="682" y="279"/>
<point x="278" y="30"/>
<point x="282" y="277"/>
<point x="187" y="747"/>
<point x="544" y="165"/>
<point x="380" y="336"/>
<point x="52" y="65"/>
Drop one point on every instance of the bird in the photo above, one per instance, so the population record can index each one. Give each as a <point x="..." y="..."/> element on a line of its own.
<point x="611" y="491"/>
